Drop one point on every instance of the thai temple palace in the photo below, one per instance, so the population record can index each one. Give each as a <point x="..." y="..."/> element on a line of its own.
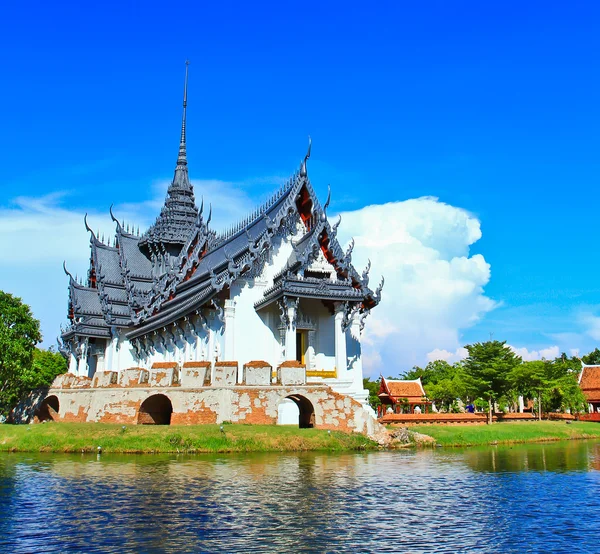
<point x="589" y="382"/>
<point x="402" y="396"/>
<point x="272" y="306"/>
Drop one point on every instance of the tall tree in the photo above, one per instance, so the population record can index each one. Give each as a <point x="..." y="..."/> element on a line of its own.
<point x="487" y="367"/>
<point x="19" y="333"/>
<point x="565" y="392"/>
<point x="531" y="379"/>
<point x="593" y="358"/>
<point x="46" y="366"/>
<point x="432" y="373"/>
<point x="373" y="388"/>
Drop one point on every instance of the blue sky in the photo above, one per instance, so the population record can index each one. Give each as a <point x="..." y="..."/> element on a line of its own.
<point x="490" y="107"/>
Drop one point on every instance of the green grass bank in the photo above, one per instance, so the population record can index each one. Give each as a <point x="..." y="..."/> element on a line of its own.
<point x="509" y="433"/>
<point x="138" y="439"/>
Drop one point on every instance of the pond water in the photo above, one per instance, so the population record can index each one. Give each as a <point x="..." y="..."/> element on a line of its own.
<point x="499" y="499"/>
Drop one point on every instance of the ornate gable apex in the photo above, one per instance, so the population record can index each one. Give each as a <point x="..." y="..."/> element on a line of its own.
<point x="177" y="219"/>
<point x="320" y="264"/>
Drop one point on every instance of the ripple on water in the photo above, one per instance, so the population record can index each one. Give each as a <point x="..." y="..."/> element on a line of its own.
<point x="520" y="499"/>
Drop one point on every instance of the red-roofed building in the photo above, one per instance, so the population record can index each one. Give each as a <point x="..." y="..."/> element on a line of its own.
<point x="589" y="381"/>
<point x="401" y="396"/>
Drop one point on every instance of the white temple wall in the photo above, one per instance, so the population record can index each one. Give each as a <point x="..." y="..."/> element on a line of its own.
<point x="256" y="334"/>
<point x="324" y="343"/>
<point x="125" y="354"/>
<point x="256" y="337"/>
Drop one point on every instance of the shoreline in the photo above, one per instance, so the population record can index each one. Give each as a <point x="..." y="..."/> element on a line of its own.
<point x="175" y="439"/>
<point x="243" y="438"/>
<point x="497" y="434"/>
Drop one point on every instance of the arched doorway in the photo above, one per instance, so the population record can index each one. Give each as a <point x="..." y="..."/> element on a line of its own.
<point x="306" y="417"/>
<point x="155" y="410"/>
<point x="48" y="410"/>
<point x="288" y="412"/>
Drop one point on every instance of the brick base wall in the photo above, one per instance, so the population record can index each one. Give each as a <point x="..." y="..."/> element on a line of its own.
<point x="239" y="404"/>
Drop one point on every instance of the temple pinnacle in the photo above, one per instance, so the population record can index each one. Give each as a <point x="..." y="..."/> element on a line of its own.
<point x="182" y="158"/>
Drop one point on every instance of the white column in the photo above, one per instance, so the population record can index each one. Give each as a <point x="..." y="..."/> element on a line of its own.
<point x="229" y="354"/>
<point x="356" y="354"/>
<point x="72" y="364"/>
<point x="521" y="405"/>
<point x="312" y="356"/>
<point x="341" y="359"/>
<point x="290" y="331"/>
<point x="281" y="347"/>
<point x="82" y="364"/>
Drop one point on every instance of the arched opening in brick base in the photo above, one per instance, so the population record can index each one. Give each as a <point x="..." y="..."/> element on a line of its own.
<point x="48" y="409"/>
<point x="155" y="410"/>
<point x="306" y="417"/>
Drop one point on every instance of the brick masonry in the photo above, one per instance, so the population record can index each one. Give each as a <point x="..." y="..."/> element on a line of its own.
<point x="121" y="402"/>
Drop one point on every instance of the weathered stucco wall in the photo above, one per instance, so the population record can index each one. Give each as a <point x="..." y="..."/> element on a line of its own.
<point x="201" y="405"/>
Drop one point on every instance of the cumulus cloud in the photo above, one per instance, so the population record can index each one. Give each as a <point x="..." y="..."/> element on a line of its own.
<point x="549" y="353"/>
<point x="450" y="357"/>
<point x="433" y="289"/>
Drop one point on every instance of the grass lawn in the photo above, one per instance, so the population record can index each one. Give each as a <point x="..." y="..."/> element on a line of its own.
<point x="509" y="432"/>
<point x="86" y="437"/>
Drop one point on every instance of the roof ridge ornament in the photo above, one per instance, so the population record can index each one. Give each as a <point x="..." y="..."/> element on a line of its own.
<point x="377" y="296"/>
<point x="365" y="274"/>
<point x="336" y="225"/>
<point x="303" y="171"/>
<point x="112" y="216"/>
<point x="67" y="272"/>
<point x="324" y="212"/>
<point x="89" y="229"/>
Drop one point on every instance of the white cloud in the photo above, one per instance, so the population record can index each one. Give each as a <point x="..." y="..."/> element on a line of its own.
<point x="591" y="323"/>
<point x="549" y="353"/>
<point x="433" y="287"/>
<point x="450" y="357"/>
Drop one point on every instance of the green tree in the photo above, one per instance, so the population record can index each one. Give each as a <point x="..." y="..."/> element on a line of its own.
<point x="373" y="388"/>
<point x="46" y="366"/>
<point x="565" y="393"/>
<point x="19" y="333"/>
<point x="531" y="379"/>
<point x="426" y="374"/>
<point x="446" y="391"/>
<point x="593" y="358"/>
<point x="444" y="383"/>
<point x="433" y="372"/>
<point x="487" y="368"/>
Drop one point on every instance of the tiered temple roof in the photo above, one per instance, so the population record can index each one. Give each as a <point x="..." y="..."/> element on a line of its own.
<point x="178" y="265"/>
<point x="392" y="391"/>
<point x="589" y="382"/>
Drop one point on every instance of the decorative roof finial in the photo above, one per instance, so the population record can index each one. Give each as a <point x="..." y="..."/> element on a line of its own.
<point x="324" y="212"/>
<point x="303" y="171"/>
<point x="67" y="271"/>
<point x="182" y="158"/>
<point x="89" y="229"/>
